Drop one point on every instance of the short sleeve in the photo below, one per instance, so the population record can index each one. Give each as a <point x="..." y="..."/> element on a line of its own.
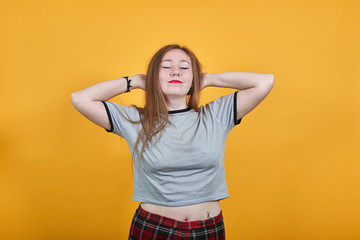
<point x="224" y="110"/>
<point x="119" y="117"/>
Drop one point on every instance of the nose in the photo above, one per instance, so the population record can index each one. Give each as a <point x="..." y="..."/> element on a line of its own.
<point x="175" y="72"/>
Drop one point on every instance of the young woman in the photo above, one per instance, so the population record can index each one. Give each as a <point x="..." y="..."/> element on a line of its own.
<point x="177" y="146"/>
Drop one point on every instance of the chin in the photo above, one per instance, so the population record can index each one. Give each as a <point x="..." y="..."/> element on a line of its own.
<point x="174" y="91"/>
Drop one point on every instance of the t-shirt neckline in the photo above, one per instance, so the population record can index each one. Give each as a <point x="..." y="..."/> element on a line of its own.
<point x="179" y="111"/>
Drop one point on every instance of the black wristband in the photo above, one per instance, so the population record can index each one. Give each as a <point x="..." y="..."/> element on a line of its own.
<point x="128" y="84"/>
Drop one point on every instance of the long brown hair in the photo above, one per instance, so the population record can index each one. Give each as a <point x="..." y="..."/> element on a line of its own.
<point x="154" y="115"/>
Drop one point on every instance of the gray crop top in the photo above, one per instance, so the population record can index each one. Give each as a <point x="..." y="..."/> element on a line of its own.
<point x="186" y="166"/>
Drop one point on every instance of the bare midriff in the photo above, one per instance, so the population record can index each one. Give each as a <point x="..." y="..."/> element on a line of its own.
<point x="201" y="211"/>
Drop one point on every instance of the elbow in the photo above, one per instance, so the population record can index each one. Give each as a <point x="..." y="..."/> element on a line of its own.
<point x="267" y="83"/>
<point x="75" y="99"/>
<point x="270" y="81"/>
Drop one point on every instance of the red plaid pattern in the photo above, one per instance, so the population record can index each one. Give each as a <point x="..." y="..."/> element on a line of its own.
<point x="149" y="226"/>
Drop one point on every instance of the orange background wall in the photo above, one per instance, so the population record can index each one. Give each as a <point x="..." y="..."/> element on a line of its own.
<point x="292" y="165"/>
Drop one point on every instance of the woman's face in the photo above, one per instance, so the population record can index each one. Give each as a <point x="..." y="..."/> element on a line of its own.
<point x="176" y="74"/>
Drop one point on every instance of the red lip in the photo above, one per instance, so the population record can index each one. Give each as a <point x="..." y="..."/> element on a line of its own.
<point x="175" y="81"/>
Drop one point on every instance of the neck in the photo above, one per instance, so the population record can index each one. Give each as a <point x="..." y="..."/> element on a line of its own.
<point x="175" y="103"/>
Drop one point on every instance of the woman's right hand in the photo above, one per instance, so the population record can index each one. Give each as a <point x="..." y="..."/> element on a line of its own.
<point x="88" y="101"/>
<point x="138" y="81"/>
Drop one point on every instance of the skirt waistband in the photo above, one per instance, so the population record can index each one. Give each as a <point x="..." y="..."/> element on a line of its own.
<point x="170" y="222"/>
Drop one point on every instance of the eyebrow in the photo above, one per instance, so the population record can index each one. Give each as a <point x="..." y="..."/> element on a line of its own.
<point x="171" y="60"/>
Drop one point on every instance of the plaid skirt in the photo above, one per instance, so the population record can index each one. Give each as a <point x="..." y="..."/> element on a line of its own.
<point x="149" y="226"/>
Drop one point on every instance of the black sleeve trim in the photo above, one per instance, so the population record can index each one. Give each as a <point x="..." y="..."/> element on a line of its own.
<point x="110" y="120"/>
<point x="236" y="122"/>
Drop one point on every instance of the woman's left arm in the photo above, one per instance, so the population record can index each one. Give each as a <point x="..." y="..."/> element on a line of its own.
<point x="253" y="87"/>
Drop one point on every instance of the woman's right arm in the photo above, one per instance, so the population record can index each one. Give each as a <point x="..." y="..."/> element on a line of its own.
<point x="88" y="101"/>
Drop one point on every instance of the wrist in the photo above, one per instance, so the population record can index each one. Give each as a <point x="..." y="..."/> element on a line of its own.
<point x="209" y="79"/>
<point x="128" y="84"/>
